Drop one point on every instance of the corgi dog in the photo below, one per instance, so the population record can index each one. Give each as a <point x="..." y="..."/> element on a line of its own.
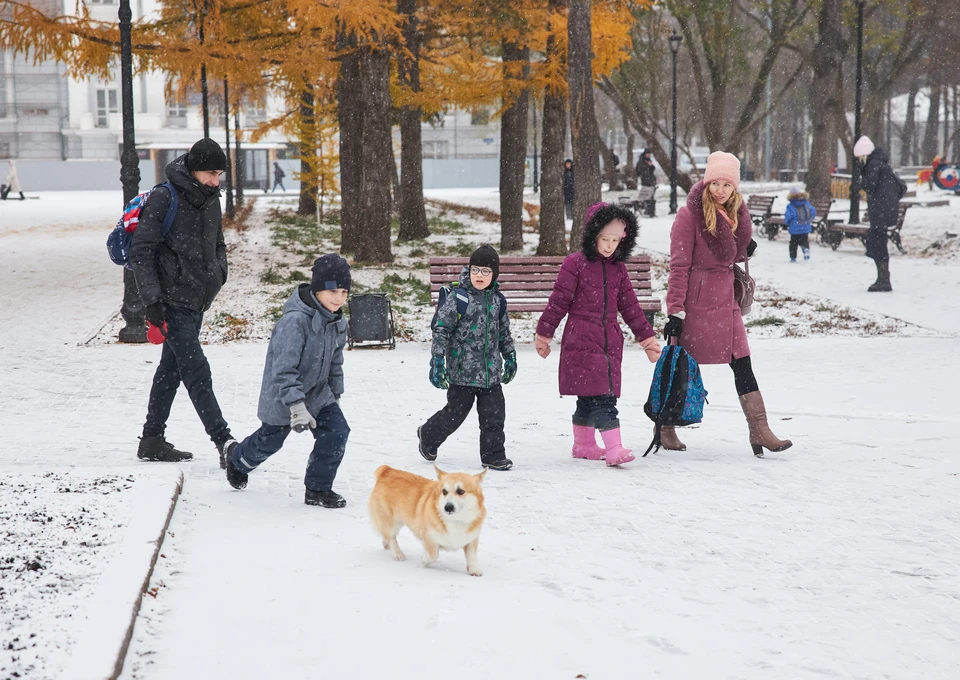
<point x="446" y="513"/>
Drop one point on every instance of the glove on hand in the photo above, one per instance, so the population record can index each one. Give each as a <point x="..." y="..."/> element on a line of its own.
<point x="156" y="314"/>
<point x="300" y="418"/>
<point x="674" y="328"/>
<point x="509" y="367"/>
<point x="543" y="346"/>
<point x="438" y="373"/>
<point x="652" y="347"/>
<point x="751" y="247"/>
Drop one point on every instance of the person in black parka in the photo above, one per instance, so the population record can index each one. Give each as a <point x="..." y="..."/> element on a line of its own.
<point x="179" y="275"/>
<point x="568" y="188"/>
<point x="884" y="191"/>
<point x="647" y="176"/>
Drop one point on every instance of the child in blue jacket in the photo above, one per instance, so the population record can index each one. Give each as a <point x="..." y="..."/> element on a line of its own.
<point x="799" y="218"/>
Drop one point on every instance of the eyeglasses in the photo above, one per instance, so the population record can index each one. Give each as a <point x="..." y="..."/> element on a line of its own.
<point x="481" y="271"/>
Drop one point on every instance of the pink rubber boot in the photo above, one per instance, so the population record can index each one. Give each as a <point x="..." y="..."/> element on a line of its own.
<point x="585" y="443"/>
<point x="616" y="454"/>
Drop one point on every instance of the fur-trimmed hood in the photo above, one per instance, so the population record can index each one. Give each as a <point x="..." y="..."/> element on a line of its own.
<point x="725" y="245"/>
<point x="798" y="196"/>
<point x="601" y="218"/>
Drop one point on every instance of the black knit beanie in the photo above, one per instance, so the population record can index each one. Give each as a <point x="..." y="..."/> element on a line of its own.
<point x="486" y="256"/>
<point x="330" y="272"/>
<point x="206" y="155"/>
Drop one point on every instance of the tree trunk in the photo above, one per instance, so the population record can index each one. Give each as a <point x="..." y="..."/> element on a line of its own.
<point x="609" y="167"/>
<point x="931" y="137"/>
<point x="373" y="232"/>
<point x="630" y="169"/>
<point x="350" y="117"/>
<point x="413" y="215"/>
<point x="513" y="149"/>
<point x="584" y="133"/>
<point x="308" y="153"/>
<point x="553" y="236"/>
<point x="826" y="72"/>
<point x="907" y="154"/>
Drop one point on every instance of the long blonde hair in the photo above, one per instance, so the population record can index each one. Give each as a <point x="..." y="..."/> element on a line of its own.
<point x="731" y="207"/>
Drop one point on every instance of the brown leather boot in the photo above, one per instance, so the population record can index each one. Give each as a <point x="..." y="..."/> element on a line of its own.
<point x="760" y="435"/>
<point x="669" y="439"/>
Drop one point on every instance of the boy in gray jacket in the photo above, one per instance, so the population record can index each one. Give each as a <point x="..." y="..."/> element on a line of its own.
<point x="302" y="383"/>
<point x="469" y="338"/>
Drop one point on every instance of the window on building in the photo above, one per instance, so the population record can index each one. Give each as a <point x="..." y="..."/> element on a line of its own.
<point x="439" y="148"/>
<point x="177" y="114"/>
<point x="106" y="104"/>
<point x="480" y="116"/>
<point x="101" y="2"/>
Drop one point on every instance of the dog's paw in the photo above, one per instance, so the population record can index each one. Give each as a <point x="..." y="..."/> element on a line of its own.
<point x="398" y="555"/>
<point x="386" y="544"/>
<point x="474" y="570"/>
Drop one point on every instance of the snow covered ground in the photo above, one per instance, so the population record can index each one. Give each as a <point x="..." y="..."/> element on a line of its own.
<point x="838" y="558"/>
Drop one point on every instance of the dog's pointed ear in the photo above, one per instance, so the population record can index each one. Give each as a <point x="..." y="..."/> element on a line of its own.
<point x="479" y="477"/>
<point x="440" y="473"/>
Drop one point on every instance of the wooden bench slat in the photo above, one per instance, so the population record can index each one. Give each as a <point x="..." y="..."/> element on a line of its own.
<point x="546" y="279"/>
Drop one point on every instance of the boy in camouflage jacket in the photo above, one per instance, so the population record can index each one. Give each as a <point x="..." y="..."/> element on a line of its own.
<point x="466" y="361"/>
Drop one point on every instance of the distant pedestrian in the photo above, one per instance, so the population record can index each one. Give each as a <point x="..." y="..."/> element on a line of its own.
<point x="178" y="275"/>
<point x="568" y="188"/>
<point x="13" y="182"/>
<point x="302" y="384"/>
<point x="884" y="190"/>
<point x="647" y="176"/>
<point x="799" y="218"/>
<point x="278" y="175"/>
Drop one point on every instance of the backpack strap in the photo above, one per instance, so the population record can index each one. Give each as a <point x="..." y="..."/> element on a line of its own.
<point x="171" y="209"/>
<point x="463" y="300"/>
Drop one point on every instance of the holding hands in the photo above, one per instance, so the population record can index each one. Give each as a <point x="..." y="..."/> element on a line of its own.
<point x="543" y="346"/>
<point x="652" y="347"/>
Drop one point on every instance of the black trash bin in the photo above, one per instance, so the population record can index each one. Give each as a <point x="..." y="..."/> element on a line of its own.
<point x="371" y="321"/>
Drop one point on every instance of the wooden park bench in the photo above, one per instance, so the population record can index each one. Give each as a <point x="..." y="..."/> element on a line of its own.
<point x="774" y="223"/>
<point x="526" y="282"/>
<point x="636" y="204"/>
<point x="836" y="232"/>
<point x="759" y="207"/>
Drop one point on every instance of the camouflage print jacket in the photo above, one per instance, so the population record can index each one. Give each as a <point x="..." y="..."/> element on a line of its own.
<point x="474" y="343"/>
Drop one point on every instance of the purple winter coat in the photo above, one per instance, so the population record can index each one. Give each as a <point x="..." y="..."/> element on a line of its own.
<point x="701" y="281"/>
<point x="591" y="290"/>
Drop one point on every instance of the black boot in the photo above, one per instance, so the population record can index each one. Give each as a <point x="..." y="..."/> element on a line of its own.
<point x="237" y="478"/>
<point x="883" y="279"/>
<point x="327" y="499"/>
<point x="159" y="449"/>
<point x="428" y="452"/>
<point x="502" y="464"/>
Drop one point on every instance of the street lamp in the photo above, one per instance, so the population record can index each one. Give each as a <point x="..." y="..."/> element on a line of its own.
<point x="675" y="40"/>
<point x="132" y="308"/>
<point x="855" y="176"/>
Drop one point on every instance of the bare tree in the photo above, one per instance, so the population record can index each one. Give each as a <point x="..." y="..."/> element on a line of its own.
<point x="513" y="148"/>
<point x="413" y="215"/>
<point x="552" y="227"/>
<point x="827" y="85"/>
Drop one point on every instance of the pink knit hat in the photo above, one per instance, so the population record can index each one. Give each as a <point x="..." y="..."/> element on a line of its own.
<point x="723" y="165"/>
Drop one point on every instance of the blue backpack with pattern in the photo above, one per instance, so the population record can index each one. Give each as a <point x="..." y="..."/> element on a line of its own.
<point x="676" y="395"/>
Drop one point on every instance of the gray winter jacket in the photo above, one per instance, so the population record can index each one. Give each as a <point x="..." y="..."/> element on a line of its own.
<point x="304" y="360"/>
<point x="473" y="344"/>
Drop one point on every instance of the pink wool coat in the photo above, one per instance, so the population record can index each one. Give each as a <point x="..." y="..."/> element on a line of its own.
<point x="701" y="281"/>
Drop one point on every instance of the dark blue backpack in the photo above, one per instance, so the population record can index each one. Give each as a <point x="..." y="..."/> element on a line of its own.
<point x="676" y="395"/>
<point x="119" y="240"/>
<point x="462" y="301"/>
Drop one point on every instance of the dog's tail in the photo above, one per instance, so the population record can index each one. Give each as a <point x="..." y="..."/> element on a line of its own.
<point x="379" y="471"/>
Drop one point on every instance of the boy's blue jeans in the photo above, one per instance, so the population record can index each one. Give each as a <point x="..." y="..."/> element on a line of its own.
<point x="330" y="437"/>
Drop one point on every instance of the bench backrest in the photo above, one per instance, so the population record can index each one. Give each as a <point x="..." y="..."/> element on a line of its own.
<point x="527" y="282"/>
<point x="822" y="206"/>
<point x="760" y="205"/>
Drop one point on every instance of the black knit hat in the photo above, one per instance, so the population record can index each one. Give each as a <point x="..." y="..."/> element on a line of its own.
<point x="330" y="272"/>
<point x="486" y="256"/>
<point x="206" y="155"/>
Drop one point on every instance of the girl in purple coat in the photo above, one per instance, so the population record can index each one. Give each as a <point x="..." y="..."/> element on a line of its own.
<point x="592" y="286"/>
<point x="709" y="234"/>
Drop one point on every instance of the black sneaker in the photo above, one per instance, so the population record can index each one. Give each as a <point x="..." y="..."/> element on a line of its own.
<point x="427" y="453"/>
<point x="327" y="499"/>
<point x="236" y="477"/>
<point x="160" y="450"/>
<point x="222" y="450"/>
<point x="502" y="464"/>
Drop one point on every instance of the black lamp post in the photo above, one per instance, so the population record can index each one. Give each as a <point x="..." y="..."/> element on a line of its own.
<point x="855" y="178"/>
<point x="675" y="40"/>
<point x="226" y="128"/>
<point x="132" y="308"/>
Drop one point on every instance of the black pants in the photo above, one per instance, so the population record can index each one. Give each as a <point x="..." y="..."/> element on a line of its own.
<point x="802" y="240"/>
<point x="599" y="412"/>
<point x="568" y="208"/>
<point x="182" y="359"/>
<point x="491" y="410"/>
<point x="877" y="244"/>
<point x="743" y="376"/>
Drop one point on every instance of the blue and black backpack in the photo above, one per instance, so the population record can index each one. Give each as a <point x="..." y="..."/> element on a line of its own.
<point x="462" y="301"/>
<point x="677" y="394"/>
<point x="118" y="243"/>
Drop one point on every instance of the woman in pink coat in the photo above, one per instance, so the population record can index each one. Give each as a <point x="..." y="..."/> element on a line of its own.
<point x="709" y="234"/>
<point x="592" y="286"/>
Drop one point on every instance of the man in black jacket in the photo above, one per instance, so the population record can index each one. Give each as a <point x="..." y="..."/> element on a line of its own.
<point x="884" y="191"/>
<point x="647" y="175"/>
<point x="178" y="275"/>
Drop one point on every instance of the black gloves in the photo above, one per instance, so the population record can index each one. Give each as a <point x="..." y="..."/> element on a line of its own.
<point x="751" y="247"/>
<point x="674" y="328"/>
<point x="156" y="314"/>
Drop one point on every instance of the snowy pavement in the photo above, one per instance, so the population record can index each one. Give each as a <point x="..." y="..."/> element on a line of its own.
<point x="837" y="558"/>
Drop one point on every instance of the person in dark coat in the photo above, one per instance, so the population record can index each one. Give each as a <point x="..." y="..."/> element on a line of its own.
<point x="466" y="361"/>
<point x="568" y="188"/>
<point x="647" y="176"/>
<point x="179" y="275"/>
<point x="592" y="286"/>
<point x="302" y="384"/>
<point x="278" y="175"/>
<point x="884" y="191"/>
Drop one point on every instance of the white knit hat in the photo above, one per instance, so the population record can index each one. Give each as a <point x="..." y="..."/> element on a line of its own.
<point x="723" y="165"/>
<point x="863" y="147"/>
